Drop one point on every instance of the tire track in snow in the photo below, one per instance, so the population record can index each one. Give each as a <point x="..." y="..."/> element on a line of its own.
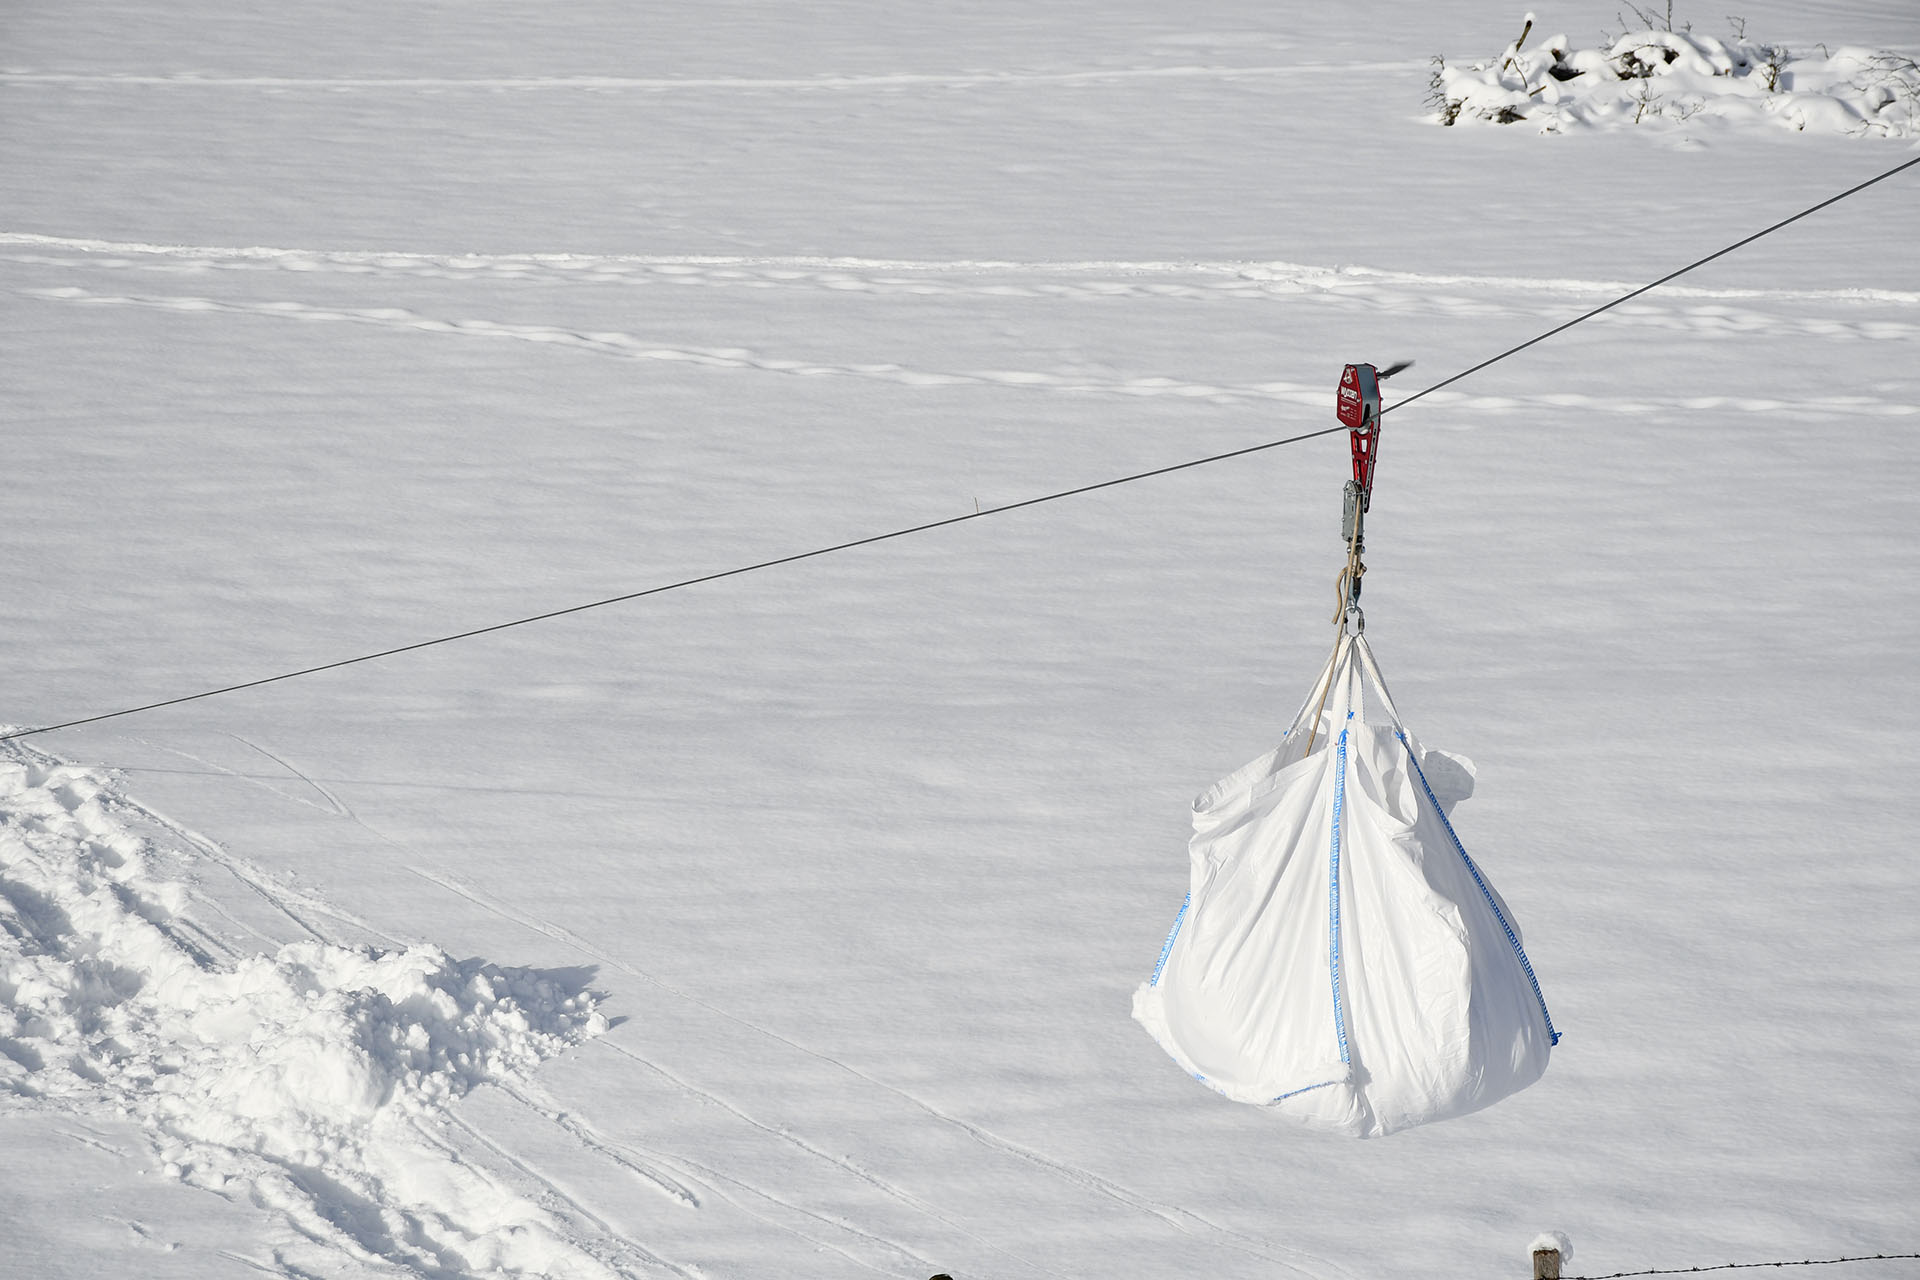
<point x="625" y="346"/>
<point x="1185" y="1221"/>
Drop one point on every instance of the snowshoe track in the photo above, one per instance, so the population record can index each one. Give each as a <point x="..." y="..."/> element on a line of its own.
<point x="624" y="346"/>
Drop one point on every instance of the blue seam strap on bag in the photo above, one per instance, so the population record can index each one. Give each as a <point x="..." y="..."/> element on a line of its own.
<point x="1339" y="958"/>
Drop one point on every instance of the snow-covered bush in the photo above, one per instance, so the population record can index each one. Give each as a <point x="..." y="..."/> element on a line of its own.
<point x="1660" y="76"/>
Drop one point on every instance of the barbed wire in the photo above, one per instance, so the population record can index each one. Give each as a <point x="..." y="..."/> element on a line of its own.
<point x="1743" y="1266"/>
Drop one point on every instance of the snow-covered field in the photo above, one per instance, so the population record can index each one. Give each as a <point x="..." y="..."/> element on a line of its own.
<point x="787" y="925"/>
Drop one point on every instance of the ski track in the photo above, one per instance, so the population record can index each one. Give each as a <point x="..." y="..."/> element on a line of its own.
<point x="1185" y="1221"/>
<point x="333" y="808"/>
<point x="671" y="84"/>
<point x="565" y="1206"/>
<point x="334" y="805"/>
<point x="592" y="1140"/>
<point x="297" y="905"/>
<point x="888" y="1189"/>
<point x="589" y="1139"/>
<point x="648" y="1167"/>
<point x="897" y="1253"/>
<point x="640" y="1164"/>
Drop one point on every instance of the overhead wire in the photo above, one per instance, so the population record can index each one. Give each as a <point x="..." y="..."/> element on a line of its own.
<point x="1629" y="297"/>
<point x="930" y="525"/>
<point x="675" y="586"/>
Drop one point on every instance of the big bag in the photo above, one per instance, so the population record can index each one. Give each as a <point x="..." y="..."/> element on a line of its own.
<point x="1339" y="958"/>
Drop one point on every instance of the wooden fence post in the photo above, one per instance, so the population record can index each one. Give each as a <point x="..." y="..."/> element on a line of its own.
<point x="1551" y="1250"/>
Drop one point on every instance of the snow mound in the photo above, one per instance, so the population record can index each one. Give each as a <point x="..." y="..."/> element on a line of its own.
<point x="1668" y="78"/>
<point x="310" y="1080"/>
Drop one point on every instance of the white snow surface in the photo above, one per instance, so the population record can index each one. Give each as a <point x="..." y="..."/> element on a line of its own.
<point x="330" y="328"/>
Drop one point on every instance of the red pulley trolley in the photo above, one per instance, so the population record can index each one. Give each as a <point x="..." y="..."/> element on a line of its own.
<point x="1358" y="405"/>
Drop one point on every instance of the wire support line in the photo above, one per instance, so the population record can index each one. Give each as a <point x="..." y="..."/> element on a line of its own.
<point x="951" y="520"/>
<point x="1743" y="1266"/>
<point x="675" y="586"/>
<point x="1629" y="297"/>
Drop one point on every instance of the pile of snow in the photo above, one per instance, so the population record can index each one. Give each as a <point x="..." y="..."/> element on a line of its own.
<point x="1664" y="77"/>
<point x="311" y="1081"/>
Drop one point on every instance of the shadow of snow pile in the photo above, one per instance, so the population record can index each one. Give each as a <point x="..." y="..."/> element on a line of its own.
<point x="313" y="1082"/>
<point x="1668" y="78"/>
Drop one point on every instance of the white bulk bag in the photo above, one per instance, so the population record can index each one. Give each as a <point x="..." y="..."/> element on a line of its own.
<point x="1339" y="957"/>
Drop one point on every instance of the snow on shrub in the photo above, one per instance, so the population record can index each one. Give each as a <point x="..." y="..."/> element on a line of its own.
<point x="308" y="1080"/>
<point x="1667" y="77"/>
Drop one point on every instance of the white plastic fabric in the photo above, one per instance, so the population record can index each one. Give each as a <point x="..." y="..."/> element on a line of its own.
<point x="1339" y="957"/>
